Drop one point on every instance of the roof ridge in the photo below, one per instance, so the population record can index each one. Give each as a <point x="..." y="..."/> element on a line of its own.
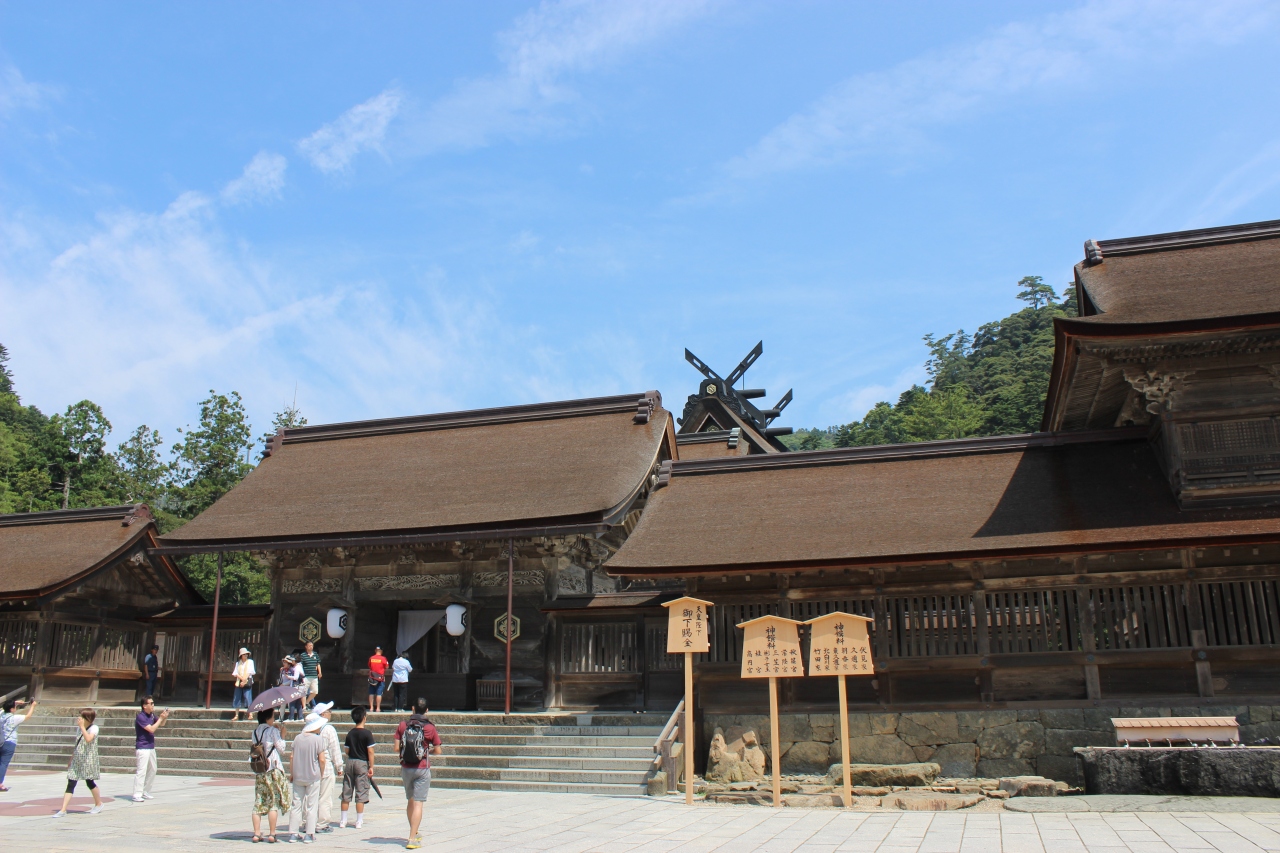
<point x="640" y="405"/>
<point x="894" y="452"/>
<point x="1103" y="249"/>
<point x="127" y="512"/>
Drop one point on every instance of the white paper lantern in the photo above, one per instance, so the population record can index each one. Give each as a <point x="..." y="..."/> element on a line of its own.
<point x="455" y="620"/>
<point x="336" y="624"/>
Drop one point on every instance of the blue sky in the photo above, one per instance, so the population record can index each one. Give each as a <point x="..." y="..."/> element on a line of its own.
<point x="405" y="207"/>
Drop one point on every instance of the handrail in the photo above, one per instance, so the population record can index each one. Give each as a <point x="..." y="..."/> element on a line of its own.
<point x="13" y="694"/>
<point x="664" y="753"/>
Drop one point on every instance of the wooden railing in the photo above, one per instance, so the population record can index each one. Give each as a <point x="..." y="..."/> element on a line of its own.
<point x="665" y="755"/>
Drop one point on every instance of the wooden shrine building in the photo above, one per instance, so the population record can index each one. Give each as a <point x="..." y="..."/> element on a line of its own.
<point x="1131" y="550"/>
<point x="78" y="590"/>
<point x="391" y="521"/>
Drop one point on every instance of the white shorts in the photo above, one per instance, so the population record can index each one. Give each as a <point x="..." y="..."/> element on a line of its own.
<point x="313" y="685"/>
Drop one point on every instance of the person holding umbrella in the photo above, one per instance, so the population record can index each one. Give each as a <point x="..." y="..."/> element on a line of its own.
<point x="291" y="676"/>
<point x="271" y="795"/>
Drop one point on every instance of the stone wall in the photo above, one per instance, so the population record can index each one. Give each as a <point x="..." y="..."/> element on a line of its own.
<point x="973" y="743"/>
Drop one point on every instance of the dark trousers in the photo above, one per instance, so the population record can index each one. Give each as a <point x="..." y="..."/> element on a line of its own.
<point x="400" y="694"/>
<point x="151" y="685"/>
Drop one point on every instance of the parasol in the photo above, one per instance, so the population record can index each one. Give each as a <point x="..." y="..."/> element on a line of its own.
<point x="277" y="696"/>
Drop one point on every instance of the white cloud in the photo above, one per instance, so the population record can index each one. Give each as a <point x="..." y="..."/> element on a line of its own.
<point x="18" y="93"/>
<point x="361" y="128"/>
<point x="262" y="180"/>
<point x="144" y="312"/>
<point x="889" y="109"/>
<point x="541" y="48"/>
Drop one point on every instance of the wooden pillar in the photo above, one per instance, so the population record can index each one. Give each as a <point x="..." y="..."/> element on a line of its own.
<point x="1088" y="634"/>
<point x="1195" y="624"/>
<point x="773" y="743"/>
<point x="982" y="637"/>
<point x="43" y="653"/>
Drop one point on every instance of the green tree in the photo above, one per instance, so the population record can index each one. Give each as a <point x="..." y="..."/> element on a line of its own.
<point x="6" y="376"/>
<point x="144" y="474"/>
<point x="210" y="460"/>
<point x="993" y="383"/>
<point x="1035" y="291"/>
<point x="78" y="439"/>
<point x="288" y="419"/>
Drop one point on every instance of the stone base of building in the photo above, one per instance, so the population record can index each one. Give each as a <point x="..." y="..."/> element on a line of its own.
<point x="991" y="743"/>
<point x="1182" y="771"/>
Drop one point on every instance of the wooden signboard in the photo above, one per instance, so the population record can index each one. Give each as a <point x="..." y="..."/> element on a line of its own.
<point x="771" y="649"/>
<point x="839" y="646"/>
<point x="687" y="626"/>
<point x="687" y="633"/>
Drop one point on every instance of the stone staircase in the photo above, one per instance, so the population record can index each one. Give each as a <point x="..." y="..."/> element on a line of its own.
<point x="556" y="752"/>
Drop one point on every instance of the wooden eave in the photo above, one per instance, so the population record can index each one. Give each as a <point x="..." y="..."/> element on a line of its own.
<point x="1070" y="333"/>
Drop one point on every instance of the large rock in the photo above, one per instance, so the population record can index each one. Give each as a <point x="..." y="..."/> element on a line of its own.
<point x="883" y="724"/>
<point x="735" y="760"/>
<point x="1060" y="767"/>
<point x="995" y="768"/>
<point x="928" y="729"/>
<point x="825" y="728"/>
<point x="957" y="759"/>
<point x="1029" y="786"/>
<point x="1064" y="741"/>
<point x="1228" y="772"/>
<point x="880" y="749"/>
<point x="908" y="775"/>
<point x="1018" y="740"/>
<point x="806" y="757"/>
<point x="985" y="719"/>
<point x="1063" y="718"/>
<point x="794" y="728"/>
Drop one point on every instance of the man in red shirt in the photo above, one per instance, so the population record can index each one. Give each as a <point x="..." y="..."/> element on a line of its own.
<point x="377" y="678"/>
<point x="416" y="740"/>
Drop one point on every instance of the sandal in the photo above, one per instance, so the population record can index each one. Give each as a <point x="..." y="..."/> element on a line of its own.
<point x="257" y="839"/>
<point x="271" y="839"/>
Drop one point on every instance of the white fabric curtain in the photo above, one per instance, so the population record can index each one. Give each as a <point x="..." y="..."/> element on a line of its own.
<point x="413" y="626"/>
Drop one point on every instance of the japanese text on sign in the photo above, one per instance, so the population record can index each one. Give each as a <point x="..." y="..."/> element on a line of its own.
<point x="839" y="645"/>
<point x="771" y="648"/>
<point x="687" y="624"/>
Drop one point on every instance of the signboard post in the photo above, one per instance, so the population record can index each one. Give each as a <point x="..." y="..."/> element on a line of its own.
<point x="771" y="649"/>
<point x="839" y="646"/>
<point x="687" y="633"/>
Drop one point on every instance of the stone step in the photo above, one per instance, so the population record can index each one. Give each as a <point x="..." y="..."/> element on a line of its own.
<point x="505" y="735"/>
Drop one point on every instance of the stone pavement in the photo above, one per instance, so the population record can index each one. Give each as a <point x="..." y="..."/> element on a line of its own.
<point x="193" y="813"/>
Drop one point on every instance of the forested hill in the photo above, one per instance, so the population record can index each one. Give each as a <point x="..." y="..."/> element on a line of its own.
<point x="63" y="461"/>
<point x="990" y="383"/>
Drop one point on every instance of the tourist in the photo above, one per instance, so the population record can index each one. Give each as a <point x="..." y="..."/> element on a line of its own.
<point x="152" y="664"/>
<point x="84" y="763"/>
<point x="355" y="780"/>
<point x="291" y="676"/>
<point x="144" y="729"/>
<point x="310" y="662"/>
<point x="377" y="679"/>
<point x="271" y="796"/>
<point x="9" y="723"/>
<point x="242" y="674"/>
<point x="333" y="765"/>
<point x="306" y="768"/>
<point x="400" y="670"/>
<point x="416" y="740"/>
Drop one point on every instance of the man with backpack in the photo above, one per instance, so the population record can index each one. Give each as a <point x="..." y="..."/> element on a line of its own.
<point x="416" y="740"/>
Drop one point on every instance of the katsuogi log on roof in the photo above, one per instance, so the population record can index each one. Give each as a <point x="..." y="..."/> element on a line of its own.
<point x="927" y="502"/>
<point x="540" y="469"/>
